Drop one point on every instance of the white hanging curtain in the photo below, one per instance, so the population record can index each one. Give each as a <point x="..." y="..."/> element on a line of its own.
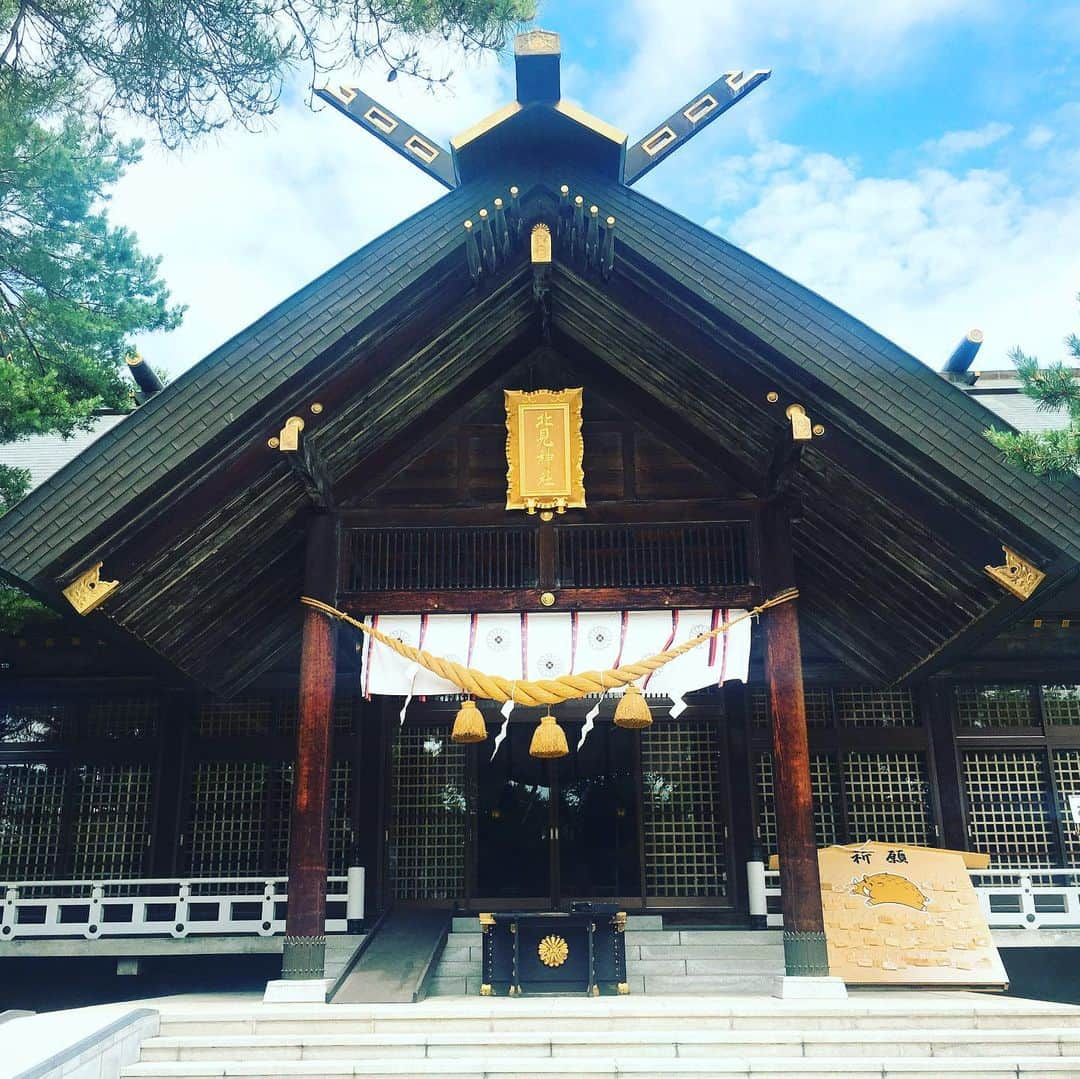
<point x="548" y="644"/>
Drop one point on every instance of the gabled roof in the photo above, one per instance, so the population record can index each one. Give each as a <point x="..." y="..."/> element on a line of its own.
<point x="903" y="500"/>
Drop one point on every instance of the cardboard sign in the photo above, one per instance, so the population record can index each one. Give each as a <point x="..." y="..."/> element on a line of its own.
<point x="904" y="915"/>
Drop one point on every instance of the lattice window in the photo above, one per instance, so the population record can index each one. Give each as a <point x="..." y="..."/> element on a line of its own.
<point x="31" y="805"/>
<point x="35" y="720"/>
<point x="1009" y="806"/>
<point x="244" y="716"/>
<point x="826" y="791"/>
<point x="122" y="717"/>
<point x="227" y="818"/>
<point x="1067" y="776"/>
<point x="340" y="819"/>
<point x="995" y="706"/>
<point x="427" y="855"/>
<point x="875" y="708"/>
<point x="1061" y="705"/>
<point x="888" y="797"/>
<point x="603" y="556"/>
<point x="397" y="559"/>
<point x="112" y="823"/>
<point x="818" y="709"/>
<point x="682" y="824"/>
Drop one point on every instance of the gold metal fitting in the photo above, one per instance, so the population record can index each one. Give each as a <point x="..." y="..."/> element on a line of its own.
<point x="819" y="430"/>
<point x="772" y="397"/>
<point x="547" y="599"/>
<point x="801" y="430"/>
<point x="513" y="192"/>
<point x="564" y="190"/>
<point x="289" y="435"/>
<point x="273" y="442"/>
<point x="498" y="204"/>
<point x="547" y="515"/>
<point x="316" y="408"/>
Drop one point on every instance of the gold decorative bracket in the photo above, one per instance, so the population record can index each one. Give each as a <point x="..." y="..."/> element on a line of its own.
<point x="88" y="591"/>
<point x="289" y="439"/>
<point x="1018" y="575"/>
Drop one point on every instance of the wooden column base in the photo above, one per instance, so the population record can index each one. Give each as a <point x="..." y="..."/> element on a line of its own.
<point x="805" y="954"/>
<point x="303" y="958"/>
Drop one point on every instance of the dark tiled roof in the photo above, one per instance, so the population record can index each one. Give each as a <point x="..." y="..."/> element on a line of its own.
<point x="845" y="356"/>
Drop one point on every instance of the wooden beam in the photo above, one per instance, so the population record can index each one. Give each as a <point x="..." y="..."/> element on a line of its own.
<point x="566" y="599"/>
<point x="787" y="453"/>
<point x="671" y="511"/>
<point x="304" y="950"/>
<point x="805" y="952"/>
<point x="310" y="469"/>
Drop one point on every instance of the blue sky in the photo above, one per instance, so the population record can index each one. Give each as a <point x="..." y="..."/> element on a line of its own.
<point x="915" y="161"/>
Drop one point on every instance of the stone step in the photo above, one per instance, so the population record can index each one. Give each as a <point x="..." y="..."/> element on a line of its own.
<point x="517" y="1067"/>
<point x="877" y="1011"/>
<point x="1034" y="1043"/>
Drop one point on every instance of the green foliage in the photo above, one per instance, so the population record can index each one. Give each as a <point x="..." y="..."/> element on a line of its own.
<point x="73" y="289"/>
<point x="191" y="67"/>
<point x="1047" y="453"/>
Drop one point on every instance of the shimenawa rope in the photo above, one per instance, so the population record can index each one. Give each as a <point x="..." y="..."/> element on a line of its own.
<point x="547" y="690"/>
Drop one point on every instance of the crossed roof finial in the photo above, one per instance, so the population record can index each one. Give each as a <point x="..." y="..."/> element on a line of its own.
<point x="537" y="57"/>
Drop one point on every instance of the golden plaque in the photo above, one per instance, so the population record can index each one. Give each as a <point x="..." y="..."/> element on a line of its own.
<point x="544" y="450"/>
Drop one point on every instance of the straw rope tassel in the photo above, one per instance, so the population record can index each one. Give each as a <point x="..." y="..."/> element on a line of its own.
<point x="546" y="690"/>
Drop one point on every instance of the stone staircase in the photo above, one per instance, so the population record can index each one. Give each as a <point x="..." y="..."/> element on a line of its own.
<point x="899" y="1035"/>
<point x="658" y="960"/>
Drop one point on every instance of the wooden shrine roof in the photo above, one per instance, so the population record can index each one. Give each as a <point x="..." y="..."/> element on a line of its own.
<point x="903" y="500"/>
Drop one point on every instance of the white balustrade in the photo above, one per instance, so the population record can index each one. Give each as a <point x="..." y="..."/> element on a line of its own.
<point x="203" y="906"/>
<point x="1010" y="898"/>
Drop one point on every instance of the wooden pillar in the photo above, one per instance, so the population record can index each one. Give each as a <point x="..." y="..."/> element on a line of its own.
<point x="805" y="953"/>
<point x="936" y="700"/>
<point x="304" y="951"/>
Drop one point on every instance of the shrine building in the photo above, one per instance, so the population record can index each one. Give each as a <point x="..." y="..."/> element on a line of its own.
<point x="544" y="429"/>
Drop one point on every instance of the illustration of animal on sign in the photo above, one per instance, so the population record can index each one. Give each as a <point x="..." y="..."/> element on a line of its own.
<point x="881" y="888"/>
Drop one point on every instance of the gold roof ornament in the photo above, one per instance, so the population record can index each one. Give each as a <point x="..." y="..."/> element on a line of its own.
<point x="88" y="591"/>
<point x="1018" y="575"/>
<point x="540" y="243"/>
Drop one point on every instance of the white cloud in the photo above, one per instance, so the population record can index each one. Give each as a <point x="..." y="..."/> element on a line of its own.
<point x="245" y="220"/>
<point x="921" y="258"/>
<point x="954" y="143"/>
<point x="1038" y="137"/>
<point x="676" y="50"/>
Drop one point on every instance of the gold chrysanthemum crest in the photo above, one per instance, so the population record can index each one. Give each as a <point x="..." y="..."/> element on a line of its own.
<point x="553" y="951"/>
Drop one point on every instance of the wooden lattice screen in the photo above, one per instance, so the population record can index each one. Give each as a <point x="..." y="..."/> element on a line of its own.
<point x="682" y="820"/>
<point x="427" y="842"/>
